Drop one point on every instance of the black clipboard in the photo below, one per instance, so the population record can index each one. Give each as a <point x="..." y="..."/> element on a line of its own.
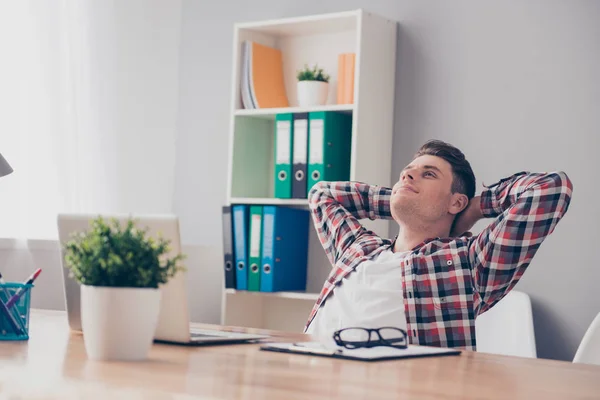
<point x="369" y="355"/>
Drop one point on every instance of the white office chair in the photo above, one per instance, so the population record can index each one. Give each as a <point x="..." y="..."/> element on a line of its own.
<point x="588" y="351"/>
<point x="507" y="328"/>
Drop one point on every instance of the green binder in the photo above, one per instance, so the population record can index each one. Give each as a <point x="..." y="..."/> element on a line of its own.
<point x="284" y="132"/>
<point x="255" y="248"/>
<point x="329" y="144"/>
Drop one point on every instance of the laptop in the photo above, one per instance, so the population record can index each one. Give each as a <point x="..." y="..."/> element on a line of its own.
<point x="174" y="322"/>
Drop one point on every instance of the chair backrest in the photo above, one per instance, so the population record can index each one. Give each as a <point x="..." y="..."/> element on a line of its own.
<point x="589" y="348"/>
<point x="507" y="328"/>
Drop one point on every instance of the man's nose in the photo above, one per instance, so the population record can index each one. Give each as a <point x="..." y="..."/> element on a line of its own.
<point x="407" y="176"/>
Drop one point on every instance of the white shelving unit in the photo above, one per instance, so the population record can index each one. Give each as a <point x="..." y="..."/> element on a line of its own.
<point x="309" y="40"/>
<point x="269" y="113"/>
<point x="269" y="201"/>
<point x="282" y="295"/>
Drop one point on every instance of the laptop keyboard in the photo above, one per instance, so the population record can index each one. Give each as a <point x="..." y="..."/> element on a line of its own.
<point x="198" y="333"/>
<point x="208" y="334"/>
<point x="203" y="335"/>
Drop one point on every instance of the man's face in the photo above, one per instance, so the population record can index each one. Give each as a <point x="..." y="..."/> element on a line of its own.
<point x="423" y="192"/>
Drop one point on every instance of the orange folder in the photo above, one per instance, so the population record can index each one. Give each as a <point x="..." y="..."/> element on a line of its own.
<point x="267" y="77"/>
<point x="345" y="89"/>
<point x="349" y="75"/>
<point x="341" y="86"/>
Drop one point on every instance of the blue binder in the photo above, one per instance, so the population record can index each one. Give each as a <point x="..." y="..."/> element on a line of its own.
<point x="284" y="249"/>
<point x="240" y="240"/>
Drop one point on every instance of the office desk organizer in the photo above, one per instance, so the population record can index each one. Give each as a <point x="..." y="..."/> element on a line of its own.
<point x="14" y="319"/>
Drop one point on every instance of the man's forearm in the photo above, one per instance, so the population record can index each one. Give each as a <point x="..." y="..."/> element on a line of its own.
<point x="359" y="199"/>
<point x="525" y="208"/>
<point x="336" y="208"/>
<point x="541" y="187"/>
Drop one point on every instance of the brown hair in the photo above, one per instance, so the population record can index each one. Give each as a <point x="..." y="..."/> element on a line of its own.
<point x="463" y="177"/>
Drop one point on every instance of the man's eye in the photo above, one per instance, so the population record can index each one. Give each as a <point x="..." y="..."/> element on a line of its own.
<point x="429" y="173"/>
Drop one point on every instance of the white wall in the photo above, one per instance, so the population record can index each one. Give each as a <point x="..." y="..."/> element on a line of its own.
<point x="124" y="63"/>
<point x="130" y="56"/>
<point x="89" y="109"/>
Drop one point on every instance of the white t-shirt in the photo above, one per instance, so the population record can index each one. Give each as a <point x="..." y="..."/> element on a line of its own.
<point x="368" y="297"/>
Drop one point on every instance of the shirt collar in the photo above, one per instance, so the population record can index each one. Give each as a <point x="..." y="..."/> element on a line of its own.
<point x="418" y="246"/>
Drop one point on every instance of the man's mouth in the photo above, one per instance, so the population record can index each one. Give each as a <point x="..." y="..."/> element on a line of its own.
<point x="409" y="188"/>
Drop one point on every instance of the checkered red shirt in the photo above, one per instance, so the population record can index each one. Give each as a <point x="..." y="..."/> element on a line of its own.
<point x="446" y="282"/>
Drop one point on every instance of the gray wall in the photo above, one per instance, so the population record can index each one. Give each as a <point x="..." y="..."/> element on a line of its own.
<point x="514" y="84"/>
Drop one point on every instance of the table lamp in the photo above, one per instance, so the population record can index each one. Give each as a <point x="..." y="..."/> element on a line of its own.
<point x="5" y="167"/>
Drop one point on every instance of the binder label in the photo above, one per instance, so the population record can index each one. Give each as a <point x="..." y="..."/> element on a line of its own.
<point x="300" y="140"/>
<point x="283" y="142"/>
<point x="316" y="141"/>
<point x="239" y="232"/>
<point x="227" y="231"/>
<point x="269" y="220"/>
<point x="255" y="236"/>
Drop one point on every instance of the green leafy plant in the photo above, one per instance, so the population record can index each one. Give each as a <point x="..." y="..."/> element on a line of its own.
<point x="314" y="74"/>
<point x="109" y="254"/>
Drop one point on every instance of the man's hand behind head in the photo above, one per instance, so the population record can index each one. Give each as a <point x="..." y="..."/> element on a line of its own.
<point x="467" y="219"/>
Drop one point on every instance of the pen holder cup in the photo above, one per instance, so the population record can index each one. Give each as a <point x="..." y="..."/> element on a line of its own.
<point x="14" y="311"/>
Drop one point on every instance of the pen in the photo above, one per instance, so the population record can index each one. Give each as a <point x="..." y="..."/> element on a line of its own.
<point x="18" y="318"/>
<point x="312" y="350"/>
<point x="4" y="289"/>
<point x="15" y="297"/>
<point x="11" y="320"/>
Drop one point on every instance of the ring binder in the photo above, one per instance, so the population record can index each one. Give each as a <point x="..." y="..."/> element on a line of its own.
<point x="240" y="222"/>
<point x="283" y="155"/>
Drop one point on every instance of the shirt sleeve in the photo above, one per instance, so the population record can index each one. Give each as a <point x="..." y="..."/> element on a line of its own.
<point x="337" y="207"/>
<point x="526" y="208"/>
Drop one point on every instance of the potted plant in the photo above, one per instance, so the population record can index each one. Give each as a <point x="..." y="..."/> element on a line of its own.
<point x="313" y="86"/>
<point x="119" y="269"/>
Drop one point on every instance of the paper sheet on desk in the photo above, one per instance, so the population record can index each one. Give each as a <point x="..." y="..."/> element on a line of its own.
<point x="372" y="354"/>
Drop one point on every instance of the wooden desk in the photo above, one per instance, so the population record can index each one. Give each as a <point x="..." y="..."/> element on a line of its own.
<point x="53" y="365"/>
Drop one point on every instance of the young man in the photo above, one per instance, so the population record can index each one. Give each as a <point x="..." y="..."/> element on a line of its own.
<point x="434" y="278"/>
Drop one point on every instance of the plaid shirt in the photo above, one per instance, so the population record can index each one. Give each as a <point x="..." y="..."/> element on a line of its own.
<point x="446" y="282"/>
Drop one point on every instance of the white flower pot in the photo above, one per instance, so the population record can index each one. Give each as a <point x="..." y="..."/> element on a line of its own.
<point x="312" y="93"/>
<point x="119" y="323"/>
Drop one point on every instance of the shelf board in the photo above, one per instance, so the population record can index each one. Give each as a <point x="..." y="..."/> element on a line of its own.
<point x="269" y="201"/>
<point x="270" y="113"/>
<point x="282" y="295"/>
<point x="305" y="25"/>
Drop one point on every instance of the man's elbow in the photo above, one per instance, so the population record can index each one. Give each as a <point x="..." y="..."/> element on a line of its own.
<point x="565" y="180"/>
<point x="564" y="190"/>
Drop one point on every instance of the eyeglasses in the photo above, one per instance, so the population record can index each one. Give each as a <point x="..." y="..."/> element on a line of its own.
<point x="355" y="338"/>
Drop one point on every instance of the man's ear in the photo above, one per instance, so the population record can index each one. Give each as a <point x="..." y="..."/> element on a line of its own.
<point x="458" y="203"/>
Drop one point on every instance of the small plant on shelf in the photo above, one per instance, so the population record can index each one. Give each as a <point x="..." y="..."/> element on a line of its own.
<point x="314" y="74"/>
<point x="313" y="86"/>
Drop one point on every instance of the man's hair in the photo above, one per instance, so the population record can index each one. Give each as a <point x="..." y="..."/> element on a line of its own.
<point x="463" y="177"/>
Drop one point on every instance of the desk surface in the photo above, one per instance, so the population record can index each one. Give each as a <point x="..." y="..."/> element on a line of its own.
<point x="53" y="365"/>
